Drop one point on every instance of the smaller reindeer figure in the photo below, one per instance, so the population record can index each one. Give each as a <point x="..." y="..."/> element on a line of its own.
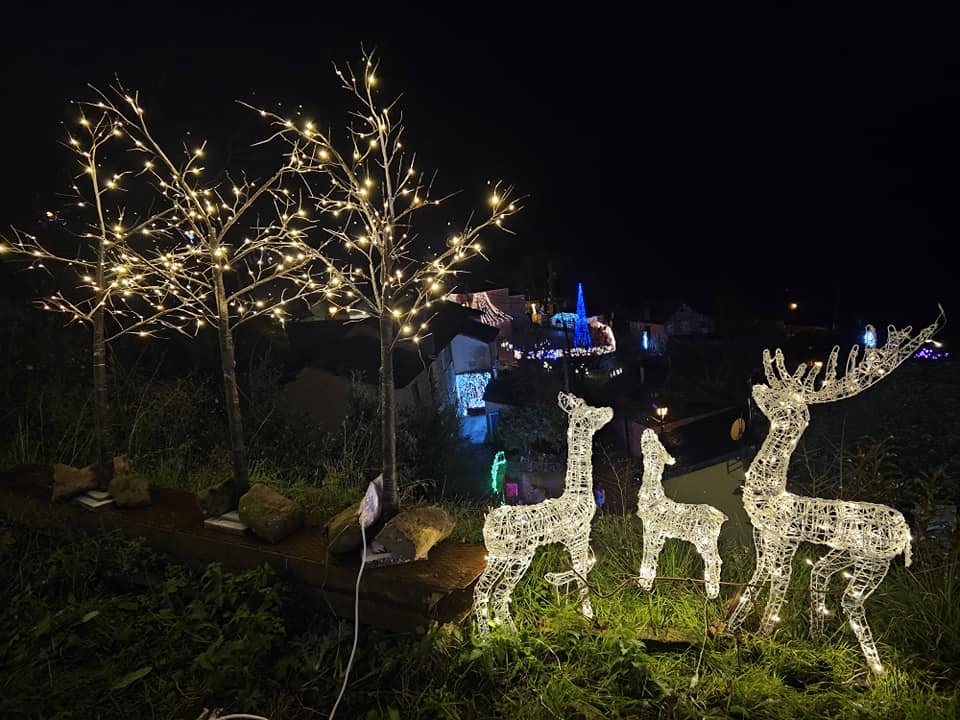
<point x="512" y="533"/>
<point x="663" y="518"/>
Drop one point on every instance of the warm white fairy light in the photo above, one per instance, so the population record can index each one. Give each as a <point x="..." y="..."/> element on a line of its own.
<point x="212" y="253"/>
<point x="663" y="518"/>
<point x="862" y="536"/>
<point x="368" y="196"/>
<point x="513" y="533"/>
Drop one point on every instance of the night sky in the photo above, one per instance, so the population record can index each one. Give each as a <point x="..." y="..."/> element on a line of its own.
<point x="688" y="157"/>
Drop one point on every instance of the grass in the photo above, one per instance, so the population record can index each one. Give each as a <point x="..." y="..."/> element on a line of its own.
<point x="101" y="626"/>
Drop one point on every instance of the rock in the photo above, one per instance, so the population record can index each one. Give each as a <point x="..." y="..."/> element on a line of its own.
<point x="120" y="466"/>
<point x="129" y="490"/>
<point x="217" y="500"/>
<point x="343" y="530"/>
<point x="270" y="515"/>
<point x="69" y="482"/>
<point x="410" y="534"/>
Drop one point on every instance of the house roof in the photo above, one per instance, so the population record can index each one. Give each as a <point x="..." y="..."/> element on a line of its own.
<point x="347" y="347"/>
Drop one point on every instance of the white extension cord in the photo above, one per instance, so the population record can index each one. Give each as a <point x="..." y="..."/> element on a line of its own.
<point x="369" y="512"/>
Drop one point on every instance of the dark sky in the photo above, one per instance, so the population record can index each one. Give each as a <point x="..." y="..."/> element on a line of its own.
<point x="690" y="156"/>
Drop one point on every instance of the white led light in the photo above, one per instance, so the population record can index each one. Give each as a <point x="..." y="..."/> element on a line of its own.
<point x="513" y="533"/>
<point x="663" y="518"/>
<point x="862" y="536"/>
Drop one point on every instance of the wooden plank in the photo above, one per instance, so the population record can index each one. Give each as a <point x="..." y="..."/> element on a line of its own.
<point x="396" y="597"/>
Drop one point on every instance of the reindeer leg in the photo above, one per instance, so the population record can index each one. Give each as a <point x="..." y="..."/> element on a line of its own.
<point x="582" y="559"/>
<point x="761" y="573"/>
<point x="867" y="575"/>
<point x="569" y="576"/>
<point x="824" y="569"/>
<point x="514" y="569"/>
<point x="711" y="566"/>
<point x="481" y="593"/>
<point x="653" y="541"/>
<point x="780" y="571"/>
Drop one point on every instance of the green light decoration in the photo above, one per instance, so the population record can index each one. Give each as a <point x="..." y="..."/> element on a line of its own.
<point x="497" y="470"/>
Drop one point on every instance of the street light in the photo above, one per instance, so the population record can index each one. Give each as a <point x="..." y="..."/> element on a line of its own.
<point x="662" y="413"/>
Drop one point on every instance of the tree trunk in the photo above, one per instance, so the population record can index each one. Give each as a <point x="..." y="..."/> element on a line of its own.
<point x="241" y="482"/>
<point x="388" y="419"/>
<point x="101" y="401"/>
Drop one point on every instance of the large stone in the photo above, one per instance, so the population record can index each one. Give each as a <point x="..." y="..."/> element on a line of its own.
<point x="129" y="490"/>
<point x="343" y="530"/>
<point x="217" y="500"/>
<point x="69" y="482"/>
<point x="120" y="466"/>
<point x="270" y="515"/>
<point x="410" y="534"/>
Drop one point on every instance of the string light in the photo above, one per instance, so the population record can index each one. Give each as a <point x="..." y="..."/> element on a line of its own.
<point x="663" y="518"/>
<point x="862" y="536"/>
<point x="513" y="533"/>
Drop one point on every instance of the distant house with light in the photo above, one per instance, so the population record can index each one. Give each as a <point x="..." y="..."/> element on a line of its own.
<point x="450" y="367"/>
<point x="656" y="322"/>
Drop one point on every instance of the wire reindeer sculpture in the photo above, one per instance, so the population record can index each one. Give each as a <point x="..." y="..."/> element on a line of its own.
<point x="664" y="518"/>
<point x="513" y="533"/>
<point x="862" y="536"/>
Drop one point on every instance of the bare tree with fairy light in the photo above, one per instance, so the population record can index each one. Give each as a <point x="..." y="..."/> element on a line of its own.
<point x="221" y="252"/>
<point x="99" y="253"/>
<point x="369" y="192"/>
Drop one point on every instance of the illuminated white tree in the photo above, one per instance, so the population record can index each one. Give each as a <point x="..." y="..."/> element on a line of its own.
<point x="513" y="533"/>
<point x="664" y="518"/>
<point x="862" y="536"/>
<point x="234" y="248"/>
<point x="100" y="253"/>
<point x="370" y="193"/>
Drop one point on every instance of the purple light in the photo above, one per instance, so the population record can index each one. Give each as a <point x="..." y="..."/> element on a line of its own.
<point x="931" y="354"/>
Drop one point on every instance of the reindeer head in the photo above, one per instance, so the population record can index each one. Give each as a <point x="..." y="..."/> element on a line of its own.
<point x="786" y="397"/>
<point x="653" y="450"/>
<point x="577" y="409"/>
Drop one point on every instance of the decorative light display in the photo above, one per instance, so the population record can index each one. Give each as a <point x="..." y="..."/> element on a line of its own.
<point x="645" y="339"/>
<point x="189" y="258"/>
<point x="663" y="518"/>
<point x="869" y="337"/>
<point x="370" y="194"/>
<point x="470" y="390"/>
<point x="490" y="314"/>
<point x="927" y="353"/>
<point x="497" y="470"/>
<point x="861" y="536"/>
<point x="563" y="319"/>
<point x="513" y="533"/>
<point x="581" y="333"/>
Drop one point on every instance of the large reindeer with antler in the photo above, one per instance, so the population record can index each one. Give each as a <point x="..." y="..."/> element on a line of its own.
<point x="864" y="536"/>
<point x="513" y="533"/>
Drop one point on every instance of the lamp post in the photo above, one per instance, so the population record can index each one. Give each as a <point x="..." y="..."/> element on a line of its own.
<point x="662" y="413"/>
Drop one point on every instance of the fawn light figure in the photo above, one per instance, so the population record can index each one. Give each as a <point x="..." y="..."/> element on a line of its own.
<point x="864" y="536"/>
<point x="664" y="518"/>
<point x="512" y="533"/>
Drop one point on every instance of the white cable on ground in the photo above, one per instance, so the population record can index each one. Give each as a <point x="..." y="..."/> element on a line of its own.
<point x="356" y="617"/>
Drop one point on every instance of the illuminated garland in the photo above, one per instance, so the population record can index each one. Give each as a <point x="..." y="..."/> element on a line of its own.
<point x="470" y="390"/>
<point x="663" y="518"/>
<point x="513" y="533"/>
<point x="861" y="536"/>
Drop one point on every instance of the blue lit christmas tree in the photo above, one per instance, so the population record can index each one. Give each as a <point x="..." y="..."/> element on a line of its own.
<point x="581" y="334"/>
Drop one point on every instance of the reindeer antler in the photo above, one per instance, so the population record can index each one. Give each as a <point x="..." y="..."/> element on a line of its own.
<point x="860" y="373"/>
